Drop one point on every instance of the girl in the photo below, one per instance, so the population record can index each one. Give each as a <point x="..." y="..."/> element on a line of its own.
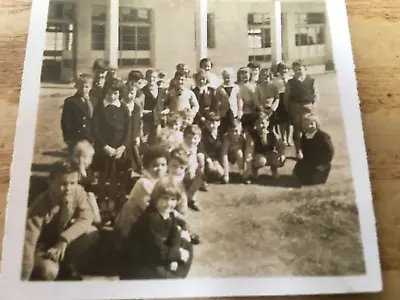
<point x="171" y="136"/>
<point x="318" y="153"/>
<point x="247" y="97"/>
<point x="156" y="248"/>
<point x="205" y="96"/>
<point x="213" y="80"/>
<point x="135" y="129"/>
<point x="282" y="115"/>
<point x="155" y="166"/>
<point x="228" y="98"/>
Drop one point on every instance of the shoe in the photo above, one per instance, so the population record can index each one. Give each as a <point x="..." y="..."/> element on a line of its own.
<point x="69" y="272"/>
<point x="274" y="174"/>
<point x="193" y="205"/>
<point x="204" y="187"/>
<point x="299" y="155"/>
<point x="195" y="239"/>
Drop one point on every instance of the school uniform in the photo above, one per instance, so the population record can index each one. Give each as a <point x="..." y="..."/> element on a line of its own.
<point x="180" y="100"/>
<point x="318" y="151"/>
<point x="301" y="96"/>
<point x="135" y="132"/>
<point x="153" y="244"/>
<point x="96" y="95"/>
<point x="51" y="220"/>
<point x="76" y="120"/>
<point x="207" y="103"/>
<point x="152" y="97"/>
<point x="271" y="148"/>
<point x="230" y="147"/>
<point x="111" y="124"/>
<point x="228" y="99"/>
<point x="282" y="115"/>
<point x="211" y="147"/>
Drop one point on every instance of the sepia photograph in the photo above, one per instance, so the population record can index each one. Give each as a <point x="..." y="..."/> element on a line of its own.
<point x="185" y="140"/>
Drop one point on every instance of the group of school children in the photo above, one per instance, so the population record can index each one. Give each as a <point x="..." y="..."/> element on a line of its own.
<point x="177" y="136"/>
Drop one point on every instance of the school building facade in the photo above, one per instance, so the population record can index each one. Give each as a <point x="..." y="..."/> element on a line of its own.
<point x="142" y="34"/>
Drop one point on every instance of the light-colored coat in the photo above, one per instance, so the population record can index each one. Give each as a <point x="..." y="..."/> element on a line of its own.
<point x="226" y="102"/>
<point x="76" y="219"/>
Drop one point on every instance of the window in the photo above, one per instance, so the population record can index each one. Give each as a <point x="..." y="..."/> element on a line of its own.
<point x="134" y="37"/>
<point x="61" y="11"/>
<point x="259" y="37"/>
<point x="310" y="29"/>
<point x="99" y="21"/>
<point x="210" y="31"/>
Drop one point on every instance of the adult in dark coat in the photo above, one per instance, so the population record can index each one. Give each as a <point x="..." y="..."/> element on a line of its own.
<point x="318" y="151"/>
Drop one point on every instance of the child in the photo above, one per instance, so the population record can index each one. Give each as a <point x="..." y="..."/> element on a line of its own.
<point x="263" y="149"/>
<point x="232" y="149"/>
<point x="99" y="70"/>
<point x="205" y="96"/>
<point x="76" y="117"/>
<point x="247" y="90"/>
<point x="153" y="95"/>
<point x="282" y="115"/>
<point x="155" y="166"/>
<point x="300" y="96"/>
<point x="187" y="118"/>
<point x="194" y="174"/>
<point x="161" y="80"/>
<point x="111" y="123"/>
<point x="211" y="144"/>
<point x="254" y="72"/>
<point x="183" y="70"/>
<point x="179" y="97"/>
<point x="171" y="136"/>
<point x="213" y="80"/>
<point x="156" y="248"/>
<point x="135" y="129"/>
<point x="228" y="98"/>
<point x="318" y="153"/>
<point x="81" y="159"/>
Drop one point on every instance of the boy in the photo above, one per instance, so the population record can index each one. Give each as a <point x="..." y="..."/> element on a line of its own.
<point x="59" y="229"/>
<point x="180" y="97"/>
<point x="171" y="135"/>
<point x="194" y="174"/>
<point x="300" y="97"/>
<point x="254" y="71"/>
<point x="76" y="117"/>
<point x="99" y="70"/>
<point x="211" y="143"/>
<point x="227" y="96"/>
<point x="153" y="95"/>
<point x="187" y="118"/>
<point x="263" y="149"/>
<point x="213" y="80"/>
<point x="111" y="123"/>
<point x="318" y="151"/>
<point x="232" y="149"/>
<point x="183" y="70"/>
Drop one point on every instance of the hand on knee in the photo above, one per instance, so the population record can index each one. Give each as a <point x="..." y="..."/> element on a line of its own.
<point x="48" y="270"/>
<point x="259" y="162"/>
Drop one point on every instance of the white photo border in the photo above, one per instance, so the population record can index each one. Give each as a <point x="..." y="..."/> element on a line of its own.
<point x="13" y="288"/>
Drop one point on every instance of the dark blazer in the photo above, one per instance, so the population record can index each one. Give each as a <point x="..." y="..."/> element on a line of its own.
<point x="135" y="127"/>
<point x="76" y="124"/>
<point x="206" y="101"/>
<point x="319" y="150"/>
<point x="111" y="126"/>
<point x="211" y="147"/>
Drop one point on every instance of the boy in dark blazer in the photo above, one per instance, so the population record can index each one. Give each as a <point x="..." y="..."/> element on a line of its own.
<point x="76" y="117"/>
<point x="59" y="228"/>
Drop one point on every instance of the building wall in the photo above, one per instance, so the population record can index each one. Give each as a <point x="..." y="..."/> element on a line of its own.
<point x="174" y="31"/>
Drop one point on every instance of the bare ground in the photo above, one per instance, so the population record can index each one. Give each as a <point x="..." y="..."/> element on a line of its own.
<point x="270" y="228"/>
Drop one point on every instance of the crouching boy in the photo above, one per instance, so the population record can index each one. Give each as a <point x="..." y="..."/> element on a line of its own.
<point x="59" y="229"/>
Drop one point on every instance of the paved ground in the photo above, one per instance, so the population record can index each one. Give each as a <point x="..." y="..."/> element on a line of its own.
<point x="270" y="228"/>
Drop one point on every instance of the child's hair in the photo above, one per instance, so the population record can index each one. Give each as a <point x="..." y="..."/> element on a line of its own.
<point x="311" y="118"/>
<point x="82" y="79"/>
<point x="228" y="71"/>
<point x="254" y="65"/>
<point x="180" y="156"/>
<point x="205" y="60"/>
<point x="151" y="154"/>
<point x="135" y="76"/>
<point x="178" y="75"/>
<point x="242" y="70"/>
<point x="169" y="139"/>
<point x="63" y="168"/>
<point x="166" y="185"/>
<point x="266" y="70"/>
<point x="149" y="72"/>
<point x="173" y="117"/>
<point x="212" y="116"/>
<point x="281" y="67"/>
<point x="192" y="129"/>
<point x="100" y="65"/>
<point x="114" y="84"/>
<point x="81" y="148"/>
<point x="200" y="74"/>
<point x="298" y="63"/>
